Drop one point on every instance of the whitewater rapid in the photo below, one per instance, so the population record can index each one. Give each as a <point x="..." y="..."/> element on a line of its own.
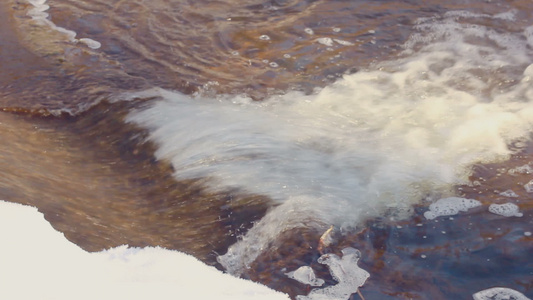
<point x="372" y="143"/>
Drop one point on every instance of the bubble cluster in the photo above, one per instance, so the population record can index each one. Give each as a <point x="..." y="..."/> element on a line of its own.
<point x="450" y="206"/>
<point x="506" y="210"/>
<point x="509" y="193"/>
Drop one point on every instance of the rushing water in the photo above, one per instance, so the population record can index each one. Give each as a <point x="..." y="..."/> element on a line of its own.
<point x="240" y="132"/>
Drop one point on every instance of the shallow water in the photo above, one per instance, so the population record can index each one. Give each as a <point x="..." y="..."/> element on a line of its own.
<point x="367" y="109"/>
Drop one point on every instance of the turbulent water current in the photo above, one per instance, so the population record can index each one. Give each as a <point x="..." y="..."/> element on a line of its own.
<point x="267" y="136"/>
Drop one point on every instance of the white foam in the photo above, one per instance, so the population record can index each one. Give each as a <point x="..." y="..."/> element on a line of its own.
<point x="509" y="193"/>
<point x="305" y="275"/>
<point x="37" y="262"/>
<point x="325" y="41"/>
<point x="528" y="32"/>
<point x="91" y="43"/>
<point x="506" y="210"/>
<point x="345" y="271"/>
<point x="499" y="293"/>
<point x="343" y="42"/>
<point x="525" y="169"/>
<point x="38" y="13"/>
<point x="450" y="206"/>
<point x="529" y="186"/>
<point x="39" y="9"/>
<point x="375" y="141"/>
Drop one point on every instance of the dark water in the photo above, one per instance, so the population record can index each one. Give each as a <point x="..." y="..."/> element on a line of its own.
<point x="68" y="150"/>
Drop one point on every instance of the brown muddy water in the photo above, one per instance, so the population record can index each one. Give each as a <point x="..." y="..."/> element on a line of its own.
<point x="82" y="145"/>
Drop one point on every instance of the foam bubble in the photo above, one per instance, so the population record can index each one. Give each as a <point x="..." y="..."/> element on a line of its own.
<point x="343" y="270"/>
<point x="525" y="169"/>
<point x="506" y="210"/>
<point x="38" y="13"/>
<point x="264" y="37"/>
<point x="325" y="41"/>
<point x="499" y="293"/>
<point x="450" y="206"/>
<point x="529" y="186"/>
<point x="309" y="31"/>
<point x="344" y="43"/>
<point x="91" y="43"/>
<point x="305" y="275"/>
<point x="509" y="193"/>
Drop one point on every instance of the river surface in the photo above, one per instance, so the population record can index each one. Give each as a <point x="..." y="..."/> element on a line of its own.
<point x="241" y="131"/>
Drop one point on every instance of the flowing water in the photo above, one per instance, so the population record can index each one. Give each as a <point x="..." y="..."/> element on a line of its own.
<point x="240" y="131"/>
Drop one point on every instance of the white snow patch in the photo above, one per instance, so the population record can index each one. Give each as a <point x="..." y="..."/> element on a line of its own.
<point x="506" y="210"/>
<point x="450" y="206"/>
<point x="499" y="293"/>
<point x="37" y="262"/>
